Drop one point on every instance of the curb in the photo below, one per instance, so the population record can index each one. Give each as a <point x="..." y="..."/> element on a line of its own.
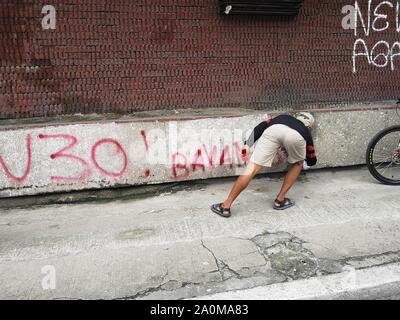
<point x="381" y="282"/>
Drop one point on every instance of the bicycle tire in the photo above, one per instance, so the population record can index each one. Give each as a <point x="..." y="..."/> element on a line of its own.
<point x="370" y="153"/>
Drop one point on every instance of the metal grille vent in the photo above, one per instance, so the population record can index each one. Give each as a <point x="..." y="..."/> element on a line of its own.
<point x="260" y="7"/>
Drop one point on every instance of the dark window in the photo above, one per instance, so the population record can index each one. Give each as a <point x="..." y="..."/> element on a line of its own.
<point x="260" y="7"/>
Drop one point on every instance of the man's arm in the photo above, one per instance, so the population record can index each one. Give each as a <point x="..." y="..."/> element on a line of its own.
<point x="257" y="133"/>
<point x="311" y="157"/>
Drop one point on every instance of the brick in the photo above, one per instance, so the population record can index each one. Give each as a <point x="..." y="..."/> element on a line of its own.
<point x="125" y="56"/>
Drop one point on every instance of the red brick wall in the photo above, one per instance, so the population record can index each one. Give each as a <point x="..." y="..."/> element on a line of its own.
<point x="128" y="55"/>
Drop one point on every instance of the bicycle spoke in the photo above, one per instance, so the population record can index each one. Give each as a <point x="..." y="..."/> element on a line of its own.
<point x="384" y="162"/>
<point x="384" y="169"/>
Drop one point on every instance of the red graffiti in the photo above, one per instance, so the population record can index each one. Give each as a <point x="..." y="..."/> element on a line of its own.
<point x="120" y="150"/>
<point x="146" y="144"/>
<point x="203" y="159"/>
<point x="179" y="166"/>
<point x="225" y="157"/>
<point x="180" y="162"/>
<point x="198" y="161"/>
<point x="211" y="156"/>
<point x="28" y="164"/>
<point x="86" y="172"/>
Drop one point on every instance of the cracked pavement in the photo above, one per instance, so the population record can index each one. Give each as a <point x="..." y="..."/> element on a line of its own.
<point x="171" y="246"/>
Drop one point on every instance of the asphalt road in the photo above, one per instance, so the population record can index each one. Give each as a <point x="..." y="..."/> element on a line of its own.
<point x="170" y="246"/>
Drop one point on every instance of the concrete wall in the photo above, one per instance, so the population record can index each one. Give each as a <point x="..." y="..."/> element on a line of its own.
<point x="48" y="158"/>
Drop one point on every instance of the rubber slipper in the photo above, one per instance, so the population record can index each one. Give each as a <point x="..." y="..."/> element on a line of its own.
<point x="284" y="204"/>
<point x="218" y="209"/>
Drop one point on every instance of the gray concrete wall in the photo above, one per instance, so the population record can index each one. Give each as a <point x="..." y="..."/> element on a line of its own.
<point x="62" y="157"/>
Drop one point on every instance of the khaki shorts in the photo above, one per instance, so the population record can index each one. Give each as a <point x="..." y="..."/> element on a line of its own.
<point x="274" y="137"/>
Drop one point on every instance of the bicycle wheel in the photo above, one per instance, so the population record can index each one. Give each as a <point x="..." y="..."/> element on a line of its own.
<point x="383" y="156"/>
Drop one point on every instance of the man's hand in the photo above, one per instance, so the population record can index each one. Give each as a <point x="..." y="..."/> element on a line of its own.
<point x="245" y="151"/>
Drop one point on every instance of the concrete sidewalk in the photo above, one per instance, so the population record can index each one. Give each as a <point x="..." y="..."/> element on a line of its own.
<point x="172" y="247"/>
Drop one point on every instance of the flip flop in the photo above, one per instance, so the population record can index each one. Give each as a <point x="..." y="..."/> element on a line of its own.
<point x="218" y="209"/>
<point x="284" y="204"/>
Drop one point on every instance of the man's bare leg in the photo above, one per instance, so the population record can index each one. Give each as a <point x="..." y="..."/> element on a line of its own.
<point x="290" y="179"/>
<point x="241" y="183"/>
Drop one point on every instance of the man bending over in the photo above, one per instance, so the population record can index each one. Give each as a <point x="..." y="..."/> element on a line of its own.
<point x="284" y="131"/>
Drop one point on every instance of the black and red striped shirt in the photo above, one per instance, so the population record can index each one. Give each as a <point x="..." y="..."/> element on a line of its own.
<point x="293" y="123"/>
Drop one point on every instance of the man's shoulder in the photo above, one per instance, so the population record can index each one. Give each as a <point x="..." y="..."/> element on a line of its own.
<point x="285" y="118"/>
